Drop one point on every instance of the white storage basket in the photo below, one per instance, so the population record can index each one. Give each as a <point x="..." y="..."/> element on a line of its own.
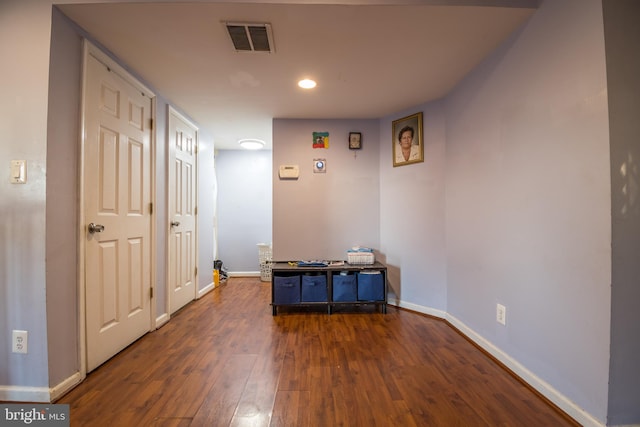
<point x="264" y="257"/>
<point x="362" y="258"/>
<point x="265" y="271"/>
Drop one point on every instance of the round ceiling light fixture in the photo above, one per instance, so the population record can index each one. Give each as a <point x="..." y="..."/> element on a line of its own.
<point x="307" y="84"/>
<point x="251" y="144"/>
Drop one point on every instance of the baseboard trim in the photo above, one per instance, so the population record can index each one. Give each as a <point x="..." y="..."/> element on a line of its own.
<point x="420" y="309"/>
<point x="244" y="274"/>
<point x="66" y="385"/>
<point x="535" y="382"/>
<point x="25" y="394"/>
<point x="162" y="319"/>
<point x="40" y="394"/>
<point x="202" y="292"/>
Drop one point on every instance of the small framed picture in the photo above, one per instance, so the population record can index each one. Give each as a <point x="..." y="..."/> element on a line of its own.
<point x="355" y="140"/>
<point x="406" y="139"/>
<point x="320" y="139"/>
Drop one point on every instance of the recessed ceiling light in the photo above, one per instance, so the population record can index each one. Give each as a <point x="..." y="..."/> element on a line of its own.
<point x="307" y="84"/>
<point x="251" y="144"/>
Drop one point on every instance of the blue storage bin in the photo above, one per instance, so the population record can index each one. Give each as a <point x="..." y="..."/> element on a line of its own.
<point x="344" y="288"/>
<point x="286" y="289"/>
<point x="314" y="288"/>
<point x="371" y="286"/>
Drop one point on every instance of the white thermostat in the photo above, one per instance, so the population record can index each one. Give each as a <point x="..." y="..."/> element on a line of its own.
<point x="319" y="165"/>
<point x="288" y="171"/>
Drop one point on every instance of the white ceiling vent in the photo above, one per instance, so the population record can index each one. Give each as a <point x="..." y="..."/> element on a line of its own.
<point x="250" y="37"/>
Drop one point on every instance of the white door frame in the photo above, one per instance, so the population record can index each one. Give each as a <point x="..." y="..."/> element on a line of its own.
<point x="89" y="49"/>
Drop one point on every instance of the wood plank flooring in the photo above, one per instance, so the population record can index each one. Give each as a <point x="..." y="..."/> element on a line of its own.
<point x="224" y="360"/>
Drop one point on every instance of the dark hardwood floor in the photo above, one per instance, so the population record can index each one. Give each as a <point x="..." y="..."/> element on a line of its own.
<point x="224" y="360"/>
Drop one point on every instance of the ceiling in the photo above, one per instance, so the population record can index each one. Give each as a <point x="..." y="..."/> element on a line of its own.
<point x="370" y="60"/>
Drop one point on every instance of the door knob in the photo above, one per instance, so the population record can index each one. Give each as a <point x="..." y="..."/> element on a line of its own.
<point x="96" y="228"/>
<point x="175" y="223"/>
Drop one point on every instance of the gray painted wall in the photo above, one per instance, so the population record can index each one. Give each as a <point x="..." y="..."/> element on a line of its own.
<point x="412" y="215"/>
<point x="206" y="208"/>
<point x="244" y="207"/>
<point x="24" y="37"/>
<point x="161" y="150"/>
<point x="622" y="36"/>
<point x="62" y="193"/>
<point x="321" y="215"/>
<point x="528" y="201"/>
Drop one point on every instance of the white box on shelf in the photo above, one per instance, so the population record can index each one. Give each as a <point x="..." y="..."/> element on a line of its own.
<point x="363" y="258"/>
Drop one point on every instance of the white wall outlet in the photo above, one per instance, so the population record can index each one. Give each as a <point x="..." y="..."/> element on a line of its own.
<point x="501" y="314"/>
<point x="20" y="340"/>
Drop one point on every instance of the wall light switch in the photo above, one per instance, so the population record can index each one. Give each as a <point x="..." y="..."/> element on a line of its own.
<point x="18" y="172"/>
<point x="501" y="314"/>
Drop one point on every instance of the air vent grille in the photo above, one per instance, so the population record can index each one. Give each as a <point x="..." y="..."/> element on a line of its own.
<point x="250" y="37"/>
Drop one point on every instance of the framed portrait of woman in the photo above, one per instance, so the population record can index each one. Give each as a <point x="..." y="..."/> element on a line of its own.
<point x="408" y="147"/>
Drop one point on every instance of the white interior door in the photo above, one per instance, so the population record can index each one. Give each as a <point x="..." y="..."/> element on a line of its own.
<point x="116" y="197"/>
<point x="182" y="212"/>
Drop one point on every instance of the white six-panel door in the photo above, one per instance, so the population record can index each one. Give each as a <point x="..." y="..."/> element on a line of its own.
<point x="117" y="217"/>
<point x="182" y="213"/>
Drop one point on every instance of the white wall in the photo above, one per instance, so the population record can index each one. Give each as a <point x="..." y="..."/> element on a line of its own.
<point x="321" y="215"/>
<point x="244" y="207"/>
<point x="528" y="201"/>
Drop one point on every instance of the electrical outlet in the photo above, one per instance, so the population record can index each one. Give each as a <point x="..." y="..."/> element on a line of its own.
<point x="501" y="314"/>
<point x="20" y="341"/>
